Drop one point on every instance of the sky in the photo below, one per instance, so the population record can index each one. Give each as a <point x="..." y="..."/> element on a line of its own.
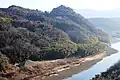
<point x="47" y="5"/>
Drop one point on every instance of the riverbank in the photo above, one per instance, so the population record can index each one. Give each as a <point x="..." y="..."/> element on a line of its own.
<point x="86" y="63"/>
<point x="56" y="69"/>
<point x="77" y="67"/>
<point x="113" y="73"/>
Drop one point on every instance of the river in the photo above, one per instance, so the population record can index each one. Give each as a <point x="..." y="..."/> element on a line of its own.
<point x="99" y="67"/>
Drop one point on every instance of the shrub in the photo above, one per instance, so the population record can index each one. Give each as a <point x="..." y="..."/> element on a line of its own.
<point x="4" y="63"/>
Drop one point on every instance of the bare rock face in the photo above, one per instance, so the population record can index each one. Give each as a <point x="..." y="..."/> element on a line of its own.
<point x="30" y="64"/>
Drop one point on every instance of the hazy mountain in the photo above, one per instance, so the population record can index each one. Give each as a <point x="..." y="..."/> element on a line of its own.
<point x="109" y="25"/>
<point x="88" y="13"/>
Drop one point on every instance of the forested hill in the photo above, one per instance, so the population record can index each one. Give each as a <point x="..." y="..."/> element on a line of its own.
<point x="36" y="35"/>
<point x="76" y="26"/>
<point x="63" y="18"/>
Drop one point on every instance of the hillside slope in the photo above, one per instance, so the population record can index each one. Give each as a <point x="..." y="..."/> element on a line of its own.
<point x="78" y="28"/>
<point x="36" y="35"/>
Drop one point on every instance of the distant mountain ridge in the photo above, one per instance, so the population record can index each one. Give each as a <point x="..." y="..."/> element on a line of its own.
<point x="88" y="13"/>
<point x="109" y="25"/>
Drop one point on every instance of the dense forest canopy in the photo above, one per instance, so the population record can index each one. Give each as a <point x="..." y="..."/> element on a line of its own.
<point x="36" y="35"/>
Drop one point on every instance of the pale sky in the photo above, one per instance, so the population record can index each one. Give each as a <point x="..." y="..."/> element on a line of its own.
<point x="75" y="4"/>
